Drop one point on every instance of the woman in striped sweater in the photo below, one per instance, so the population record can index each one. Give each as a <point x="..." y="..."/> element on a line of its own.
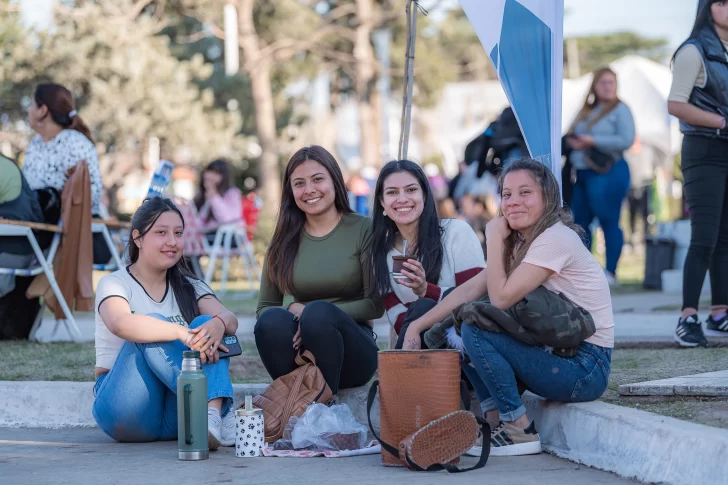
<point x="445" y="253"/>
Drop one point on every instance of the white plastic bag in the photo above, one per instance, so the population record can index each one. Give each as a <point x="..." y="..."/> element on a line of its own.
<point x="324" y="428"/>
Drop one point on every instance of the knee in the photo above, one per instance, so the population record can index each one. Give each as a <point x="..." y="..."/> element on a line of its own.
<point x="420" y="307"/>
<point x="271" y="321"/>
<point x="468" y="332"/>
<point x="319" y="311"/>
<point x="198" y="321"/>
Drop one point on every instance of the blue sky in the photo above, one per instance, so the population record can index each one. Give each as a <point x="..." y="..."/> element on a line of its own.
<point x="653" y="18"/>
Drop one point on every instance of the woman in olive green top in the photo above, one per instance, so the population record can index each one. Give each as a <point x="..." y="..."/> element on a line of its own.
<point x="315" y="278"/>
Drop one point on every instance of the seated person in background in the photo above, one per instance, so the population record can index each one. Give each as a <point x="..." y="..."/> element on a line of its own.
<point x="63" y="141"/>
<point x="218" y="201"/>
<point x="17" y="202"/>
<point x="445" y="252"/>
<point x="538" y="245"/>
<point x="318" y="260"/>
<point x="147" y="314"/>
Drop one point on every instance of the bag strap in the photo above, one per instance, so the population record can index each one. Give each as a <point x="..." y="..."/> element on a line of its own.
<point x="305" y="357"/>
<point x="484" y="430"/>
<point x="370" y="402"/>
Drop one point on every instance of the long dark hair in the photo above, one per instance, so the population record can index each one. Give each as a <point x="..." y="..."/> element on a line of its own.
<point x="516" y="246"/>
<point x="221" y="167"/>
<point x="283" y="247"/>
<point x="178" y="275"/>
<point x="428" y="249"/>
<point x="61" y="107"/>
<point x="703" y="19"/>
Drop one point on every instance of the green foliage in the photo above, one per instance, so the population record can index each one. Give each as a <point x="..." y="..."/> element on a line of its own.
<point x="127" y="83"/>
<point x="596" y="51"/>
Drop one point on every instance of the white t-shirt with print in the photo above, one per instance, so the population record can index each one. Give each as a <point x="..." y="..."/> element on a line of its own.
<point x="122" y="284"/>
<point x="577" y="275"/>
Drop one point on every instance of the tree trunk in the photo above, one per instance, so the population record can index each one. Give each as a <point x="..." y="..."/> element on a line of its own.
<point x="258" y="70"/>
<point x="365" y="83"/>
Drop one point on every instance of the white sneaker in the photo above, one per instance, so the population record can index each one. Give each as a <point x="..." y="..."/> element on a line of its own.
<point x="228" y="429"/>
<point x="611" y="279"/>
<point x="214" y="425"/>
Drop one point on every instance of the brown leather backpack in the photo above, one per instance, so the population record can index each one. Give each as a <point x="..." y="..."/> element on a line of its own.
<point x="291" y="394"/>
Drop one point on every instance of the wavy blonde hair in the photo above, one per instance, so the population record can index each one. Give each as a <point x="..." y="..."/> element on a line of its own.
<point x="516" y="246"/>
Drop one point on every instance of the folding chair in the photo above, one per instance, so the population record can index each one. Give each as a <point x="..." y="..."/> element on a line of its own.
<point x="99" y="226"/>
<point x="42" y="264"/>
<point x="196" y="244"/>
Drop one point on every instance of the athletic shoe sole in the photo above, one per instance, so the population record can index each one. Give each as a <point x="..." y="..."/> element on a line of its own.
<point x="530" y="448"/>
<point x="684" y="343"/>
<point x="443" y="440"/>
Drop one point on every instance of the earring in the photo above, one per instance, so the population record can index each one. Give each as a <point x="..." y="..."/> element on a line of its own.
<point x="384" y="213"/>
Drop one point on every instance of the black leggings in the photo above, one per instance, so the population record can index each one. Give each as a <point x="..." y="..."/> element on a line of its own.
<point x="345" y="350"/>
<point x="705" y="173"/>
<point x="415" y="311"/>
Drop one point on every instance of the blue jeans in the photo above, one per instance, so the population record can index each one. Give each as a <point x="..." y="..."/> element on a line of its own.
<point x="137" y="400"/>
<point x="601" y="196"/>
<point x="498" y="359"/>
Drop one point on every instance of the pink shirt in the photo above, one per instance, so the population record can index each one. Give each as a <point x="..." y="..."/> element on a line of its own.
<point x="577" y="275"/>
<point x="225" y="208"/>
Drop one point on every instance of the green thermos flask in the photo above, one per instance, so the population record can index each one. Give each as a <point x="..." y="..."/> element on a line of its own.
<point x="192" y="409"/>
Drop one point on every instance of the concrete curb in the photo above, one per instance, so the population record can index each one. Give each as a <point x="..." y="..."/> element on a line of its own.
<point x="46" y="404"/>
<point x="632" y="443"/>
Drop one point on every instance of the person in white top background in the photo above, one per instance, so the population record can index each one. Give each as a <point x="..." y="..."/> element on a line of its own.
<point x="699" y="98"/>
<point x="539" y="245"/>
<point x="63" y="141"/>
<point x="445" y="252"/>
<point x="147" y="314"/>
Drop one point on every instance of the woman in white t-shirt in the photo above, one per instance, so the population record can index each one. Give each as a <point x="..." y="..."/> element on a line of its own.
<point x="147" y="314"/>
<point x="540" y="246"/>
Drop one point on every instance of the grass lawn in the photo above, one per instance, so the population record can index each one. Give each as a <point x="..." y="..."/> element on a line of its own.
<point x="74" y="362"/>
<point x="638" y="365"/>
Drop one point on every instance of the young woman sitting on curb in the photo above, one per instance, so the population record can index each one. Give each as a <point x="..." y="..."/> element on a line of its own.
<point x="539" y="246"/>
<point x="147" y="314"/>
<point x="445" y="253"/>
<point x="315" y="283"/>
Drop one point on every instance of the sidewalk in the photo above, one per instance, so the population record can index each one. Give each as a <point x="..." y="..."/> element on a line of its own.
<point x="41" y="456"/>
<point x="635" y="321"/>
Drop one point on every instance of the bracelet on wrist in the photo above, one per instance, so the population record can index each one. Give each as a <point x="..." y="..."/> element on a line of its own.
<point x="223" y="321"/>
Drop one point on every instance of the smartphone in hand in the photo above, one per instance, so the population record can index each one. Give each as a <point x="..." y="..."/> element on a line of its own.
<point x="233" y="346"/>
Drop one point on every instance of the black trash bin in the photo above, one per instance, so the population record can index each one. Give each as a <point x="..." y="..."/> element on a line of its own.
<point x="659" y="254"/>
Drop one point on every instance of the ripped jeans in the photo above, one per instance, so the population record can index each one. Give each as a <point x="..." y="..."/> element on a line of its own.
<point x="498" y="361"/>
<point x="136" y="401"/>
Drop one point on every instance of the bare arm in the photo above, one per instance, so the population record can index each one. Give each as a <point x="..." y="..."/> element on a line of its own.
<point x="689" y="113"/>
<point x="209" y="305"/>
<point x="473" y="289"/>
<point x="504" y="290"/>
<point x="120" y="321"/>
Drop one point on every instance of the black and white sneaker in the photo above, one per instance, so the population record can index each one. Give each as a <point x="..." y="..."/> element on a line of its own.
<point x="720" y="325"/>
<point x="689" y="332"/>
<point x="507" y="440"/>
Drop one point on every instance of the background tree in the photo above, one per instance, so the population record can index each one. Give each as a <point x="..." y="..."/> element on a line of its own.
<point x="596" y="51"/>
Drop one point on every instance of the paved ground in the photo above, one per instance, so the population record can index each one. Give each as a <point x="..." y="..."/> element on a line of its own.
<point x="86" y="456"/>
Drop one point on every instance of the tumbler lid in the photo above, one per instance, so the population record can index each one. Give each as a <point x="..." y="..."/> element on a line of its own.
<point x="245" y="412"/>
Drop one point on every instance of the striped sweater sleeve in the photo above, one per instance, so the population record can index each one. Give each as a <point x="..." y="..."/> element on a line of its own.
<point x="463" y="248"/>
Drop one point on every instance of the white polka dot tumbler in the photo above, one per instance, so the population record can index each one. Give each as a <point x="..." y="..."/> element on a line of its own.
<point x="249" y="430"/>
